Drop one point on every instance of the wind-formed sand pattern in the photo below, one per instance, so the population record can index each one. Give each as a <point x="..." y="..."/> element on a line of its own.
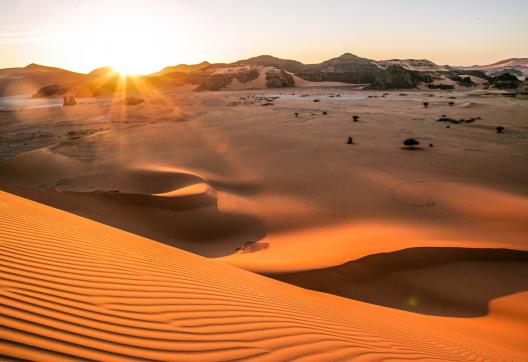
<point x="73" y="289"/>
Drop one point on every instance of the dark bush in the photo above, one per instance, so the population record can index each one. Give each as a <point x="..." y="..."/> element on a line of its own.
<point x="411" y="143"/>
<point x="500" y="129"/>
<point x="441" y="86"/>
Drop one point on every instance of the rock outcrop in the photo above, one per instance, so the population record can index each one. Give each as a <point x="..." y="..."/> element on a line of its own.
<point x="397" y="77"/>
<point x="69" y="101"/>
<point x="218" y="81"/>
<point x="278" y="78"/>
<point x="506" y="81"/>
<point x="52" y="90"/>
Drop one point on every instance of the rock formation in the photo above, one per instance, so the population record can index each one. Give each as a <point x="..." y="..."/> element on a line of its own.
<point x="69" y="101"/>
<point x="278" y="78"/>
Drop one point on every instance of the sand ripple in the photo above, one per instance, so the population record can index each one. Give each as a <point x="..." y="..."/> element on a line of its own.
<point x="73" y="289"/>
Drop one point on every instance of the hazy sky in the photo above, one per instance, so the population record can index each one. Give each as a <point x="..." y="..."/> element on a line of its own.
<point x="144" y="36"/>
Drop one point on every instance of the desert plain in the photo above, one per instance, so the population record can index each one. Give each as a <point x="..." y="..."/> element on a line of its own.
<point x="242" y="224"/>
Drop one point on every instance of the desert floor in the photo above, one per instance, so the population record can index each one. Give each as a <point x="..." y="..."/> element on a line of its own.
<point x="397" y="248"/>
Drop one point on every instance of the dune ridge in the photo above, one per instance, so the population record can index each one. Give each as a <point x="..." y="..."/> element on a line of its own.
<point x="74" y="289"/>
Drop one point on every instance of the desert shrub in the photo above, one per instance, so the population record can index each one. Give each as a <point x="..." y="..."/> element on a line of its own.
<point x="500" y="129"/>
<point x="426" y="104"/>
<point x="441" y="86"/>
<point x="355" y="118"/>
<point x="349" y="141"/>
<point x="411" y="143"/>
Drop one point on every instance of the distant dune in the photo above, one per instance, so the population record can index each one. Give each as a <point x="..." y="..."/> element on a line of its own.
<point x="27" y="80"/>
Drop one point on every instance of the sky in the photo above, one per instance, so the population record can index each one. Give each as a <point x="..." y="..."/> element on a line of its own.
<point x="144" y="36"/>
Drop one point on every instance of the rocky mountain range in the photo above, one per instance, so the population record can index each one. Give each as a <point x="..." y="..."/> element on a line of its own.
<point x="263" y="71"/>
<point x="514" y="66"/>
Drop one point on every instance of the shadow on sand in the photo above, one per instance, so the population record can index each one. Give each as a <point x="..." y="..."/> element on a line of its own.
<point x="453" y="282"/>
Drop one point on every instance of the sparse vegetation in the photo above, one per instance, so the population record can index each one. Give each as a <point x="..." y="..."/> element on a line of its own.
<point x="325" y="113"/>
<point x="426" y="104"/>
<point x="355" y="118"/>
<point x="500" y="129"/>
<point x="316" y="100"/>
<point x="441" y="86"/>
<point x="296" y="114"/>
<point x="457" y="121"/>
<point x="451" y="103"/>
<point x="350" y="141"/>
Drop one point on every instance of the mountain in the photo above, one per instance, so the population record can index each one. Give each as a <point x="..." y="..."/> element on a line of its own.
<point x="102" y="72"/>
<point x="182" y="68"/>
<point x="419" y="65"/>
<point x="514" y="66"/>
<point x="270" y="61"/>
<point x="27" y="80"/>
<point x="264" y="71"/>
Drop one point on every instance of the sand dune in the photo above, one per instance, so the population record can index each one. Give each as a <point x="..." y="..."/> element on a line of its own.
<point x="74" y="289"/>
<point x="268" y="191"/>
<point x="170" y="205"/>
<point x="458" y="282"/>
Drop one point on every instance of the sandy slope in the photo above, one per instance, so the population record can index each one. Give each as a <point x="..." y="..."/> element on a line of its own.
<point x="213" y="173"/>
<point x="75" y="289"/>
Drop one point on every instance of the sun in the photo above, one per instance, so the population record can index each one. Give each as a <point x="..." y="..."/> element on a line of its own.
<point x="130" y="45"/>
<point x="127" y="70"/>
<point x="128" y="61"/>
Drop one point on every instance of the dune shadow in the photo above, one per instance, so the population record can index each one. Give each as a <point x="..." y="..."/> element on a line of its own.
<point x="440" y="281"/>
<point x="190" y="222"/>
